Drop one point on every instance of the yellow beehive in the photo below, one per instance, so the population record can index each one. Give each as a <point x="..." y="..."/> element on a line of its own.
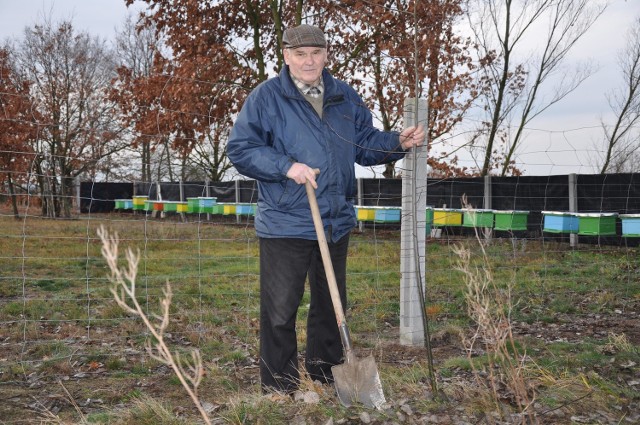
<point x="182" y="207"/>
<point x="447" y="217"/>
<point x="366" y="214"/>
<point x="228" y="209"/>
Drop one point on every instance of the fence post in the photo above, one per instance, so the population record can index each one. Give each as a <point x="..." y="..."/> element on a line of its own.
<point x="413" y="233"/>
<point x="181" y="186"/>
<point x="573" y="205"/>
<point x="488" y="199"/>
<point x="360" y="202"/>
<point x="158" y="198"/>
<point x="207" y="193"/>
<point x="238" y="199"/>
<point x="76" y="181"/>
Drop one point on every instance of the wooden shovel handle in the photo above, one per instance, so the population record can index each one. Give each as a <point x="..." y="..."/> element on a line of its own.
<point x="328" y="269"/>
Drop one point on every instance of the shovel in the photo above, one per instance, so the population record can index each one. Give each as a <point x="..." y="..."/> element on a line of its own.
<point x="355" y="380"/>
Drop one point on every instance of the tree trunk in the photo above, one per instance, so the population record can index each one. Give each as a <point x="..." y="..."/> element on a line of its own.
<point x="14" y="202"/>
<point x="389" y="170"/>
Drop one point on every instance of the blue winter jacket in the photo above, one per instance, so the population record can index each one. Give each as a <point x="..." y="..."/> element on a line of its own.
<point x="278" y="126"/>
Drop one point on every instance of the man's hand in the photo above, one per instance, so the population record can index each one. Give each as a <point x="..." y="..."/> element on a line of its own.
<point x="301" y="173"/>
<point x="412" y="136"/>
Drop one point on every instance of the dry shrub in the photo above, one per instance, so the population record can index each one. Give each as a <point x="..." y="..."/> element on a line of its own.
<point x="189" y="371"/>
<point x="504" y="376"/>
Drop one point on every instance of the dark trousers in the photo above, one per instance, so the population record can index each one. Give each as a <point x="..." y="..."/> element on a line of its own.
<point x="284" y="266"/>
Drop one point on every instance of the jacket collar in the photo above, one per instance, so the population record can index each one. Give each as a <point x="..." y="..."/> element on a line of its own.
<point x="290" y="90"/>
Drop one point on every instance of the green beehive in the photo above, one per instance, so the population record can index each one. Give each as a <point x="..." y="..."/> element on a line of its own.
<point x="477" y="218"/>
<point x="510" y="220"/>
<point x="170" y="206"/>
<point x="193" y="205"/>
<point x="429" y="219"/>
<point x="597" y="224"/>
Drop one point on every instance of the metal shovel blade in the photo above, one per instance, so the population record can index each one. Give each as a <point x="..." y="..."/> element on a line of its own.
<point x="358" y="381"/>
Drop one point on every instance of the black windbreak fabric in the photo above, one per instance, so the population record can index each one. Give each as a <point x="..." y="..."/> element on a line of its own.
<point x="611" y="193"/>
<point x="100" y="197"/>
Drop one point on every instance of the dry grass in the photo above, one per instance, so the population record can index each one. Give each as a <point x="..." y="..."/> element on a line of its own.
<point x="60" y="320"/>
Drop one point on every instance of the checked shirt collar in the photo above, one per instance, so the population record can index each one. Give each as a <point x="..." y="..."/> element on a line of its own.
<point x="308" y="89"/>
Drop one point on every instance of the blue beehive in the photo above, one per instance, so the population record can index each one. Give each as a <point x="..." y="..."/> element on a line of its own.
<point x="387" y="214"/>
<point x="245" y="209"/>
<point x="560" y="222"/>
<point x="630" y="225"/>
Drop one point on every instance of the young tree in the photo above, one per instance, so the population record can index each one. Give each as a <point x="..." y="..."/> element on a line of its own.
<point x="17" y="128"/>
<point x="513" y="82"/>
<point x="70" y="74"/>
<point x="392" y="50"/>
<point x="623" y="136"/>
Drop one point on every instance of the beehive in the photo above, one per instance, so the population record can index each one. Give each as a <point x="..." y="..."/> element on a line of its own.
<point x="510" y="220"/>
<point x="477" y="218"/>
<point x="630" y="225"/>
<point x="447" y="217"/>
<point x="597" y="224"/>
<point x="365" y="213"/>
<point x="139" y="202"/>
<point x="387" y="214"/>
<point x="560" y="222"/>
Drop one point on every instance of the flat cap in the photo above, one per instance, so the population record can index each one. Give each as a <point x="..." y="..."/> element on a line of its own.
<point x="303" y="36"/>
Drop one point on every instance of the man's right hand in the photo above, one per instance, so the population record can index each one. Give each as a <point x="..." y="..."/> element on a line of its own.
<point x="301" y="173"/>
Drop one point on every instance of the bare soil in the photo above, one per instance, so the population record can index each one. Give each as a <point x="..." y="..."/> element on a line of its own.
<point x="82" y="385"/>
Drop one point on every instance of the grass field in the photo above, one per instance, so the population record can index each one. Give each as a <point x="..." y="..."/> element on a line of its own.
<point x="69" y="354"/>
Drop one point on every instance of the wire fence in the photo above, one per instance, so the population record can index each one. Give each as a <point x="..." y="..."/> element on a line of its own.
<point x="569" y="273"/>
<point x="54" y="277"/>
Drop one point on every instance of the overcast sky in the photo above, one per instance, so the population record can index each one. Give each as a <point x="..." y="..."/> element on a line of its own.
<point x="558" y="142"/>
<point x="98" y="17"/>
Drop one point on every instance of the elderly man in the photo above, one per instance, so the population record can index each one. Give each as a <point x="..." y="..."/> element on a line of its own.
<point x="301" y="120"/>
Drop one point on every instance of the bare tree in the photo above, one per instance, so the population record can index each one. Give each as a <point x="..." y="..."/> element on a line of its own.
<point x="623" y="136"/>
<point x="513" y="88"/>
<point x="70" y="73"/>
<point x="136" y="50"/>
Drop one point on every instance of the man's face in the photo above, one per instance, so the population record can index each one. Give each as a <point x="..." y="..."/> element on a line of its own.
<point x="306" y="63"/>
